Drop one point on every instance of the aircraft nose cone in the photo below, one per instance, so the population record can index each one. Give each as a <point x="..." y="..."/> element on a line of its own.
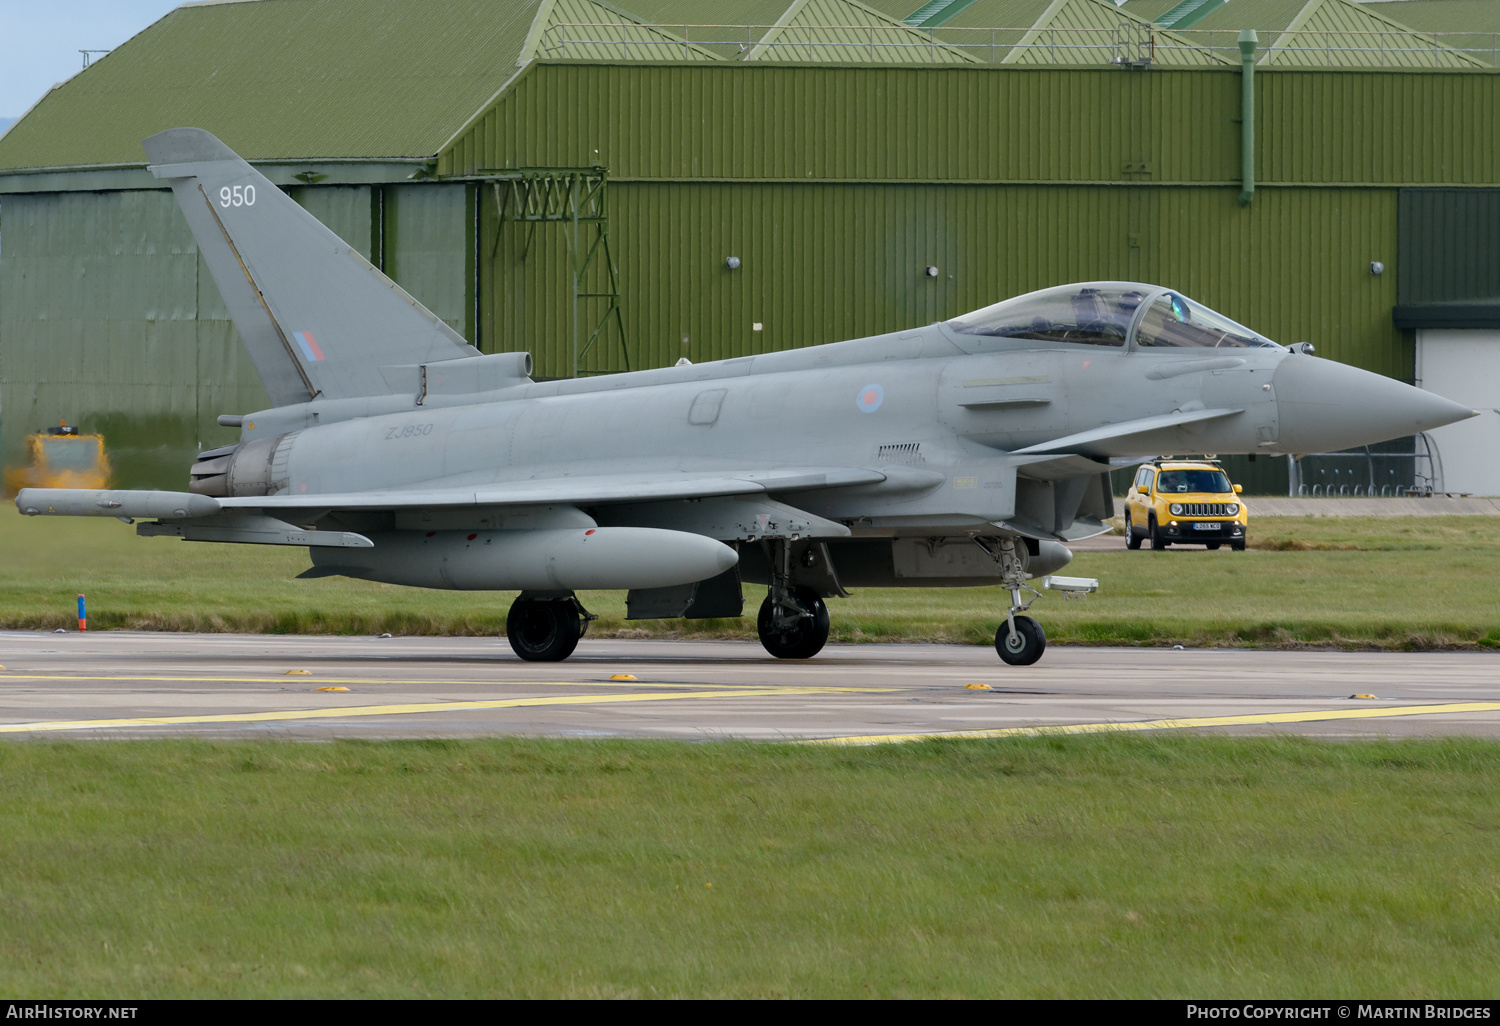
<point x="1323" y="406"/>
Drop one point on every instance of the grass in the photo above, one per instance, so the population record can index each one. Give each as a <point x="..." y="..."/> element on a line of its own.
<point x="1378" y="583"/>
<point x="1053" y="867"/>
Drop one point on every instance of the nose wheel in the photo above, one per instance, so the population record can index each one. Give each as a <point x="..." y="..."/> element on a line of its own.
<point x="1022" y="646"/>
<point x="1020" y="640"/>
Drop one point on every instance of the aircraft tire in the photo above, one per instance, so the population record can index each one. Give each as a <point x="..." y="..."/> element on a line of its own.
<point x="802" y="641"/>
<point x="1132" y="540"/>
<point x="1158" y="540"/>
<point x="543" y="631"/>
<point x="1031" y="642"/>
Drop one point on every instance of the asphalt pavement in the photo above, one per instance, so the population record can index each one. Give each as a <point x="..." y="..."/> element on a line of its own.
<point x="121" y="684"/>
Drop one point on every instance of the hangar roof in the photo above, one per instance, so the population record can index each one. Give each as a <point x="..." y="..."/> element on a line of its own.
<point x="1442" y="15"/>
<point x="281" y="79"/>
<point x="369" y="81"/>
<point x="1329" y="33"/>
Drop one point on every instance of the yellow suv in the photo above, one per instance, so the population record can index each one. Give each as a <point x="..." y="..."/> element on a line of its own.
<point x="1184" y="501"/>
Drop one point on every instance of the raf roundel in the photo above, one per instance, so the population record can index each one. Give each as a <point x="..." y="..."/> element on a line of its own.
<point x="869" y="399"/>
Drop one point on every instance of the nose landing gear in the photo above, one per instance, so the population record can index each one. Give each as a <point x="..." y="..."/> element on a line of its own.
<point x="1020" y="640"/>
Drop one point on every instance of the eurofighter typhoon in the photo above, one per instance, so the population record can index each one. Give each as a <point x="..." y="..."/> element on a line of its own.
<point x="964" y="453"/>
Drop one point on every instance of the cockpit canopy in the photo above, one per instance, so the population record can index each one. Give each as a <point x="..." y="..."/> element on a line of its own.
<point x="1110" y="313"/>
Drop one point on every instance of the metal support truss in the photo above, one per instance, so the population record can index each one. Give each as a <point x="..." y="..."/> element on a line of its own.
<point x="576" y="199"/>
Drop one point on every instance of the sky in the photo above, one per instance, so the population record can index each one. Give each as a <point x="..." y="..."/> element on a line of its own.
<point x="40" y="40"/>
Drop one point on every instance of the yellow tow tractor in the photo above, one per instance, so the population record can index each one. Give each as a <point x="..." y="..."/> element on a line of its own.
<point x="61" y="457"/>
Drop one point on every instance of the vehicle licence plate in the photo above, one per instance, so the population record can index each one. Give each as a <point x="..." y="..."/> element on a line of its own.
<point x="1206" y="527"/>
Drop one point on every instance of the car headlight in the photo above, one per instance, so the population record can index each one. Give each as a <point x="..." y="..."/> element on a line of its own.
<point x="1232" y="508"/>
<point x="1176" y="509"/>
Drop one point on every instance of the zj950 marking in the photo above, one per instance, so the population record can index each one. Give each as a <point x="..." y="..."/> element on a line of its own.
<point x="409" y="431"/>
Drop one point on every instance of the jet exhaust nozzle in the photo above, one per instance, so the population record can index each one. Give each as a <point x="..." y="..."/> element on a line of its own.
<point x="604" y="558"/>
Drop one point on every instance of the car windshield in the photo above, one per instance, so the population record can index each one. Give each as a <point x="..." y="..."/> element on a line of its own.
<point x="1175" y="321"/>
<point x="1096" y="314"/>
<point x="1192" y="481"/>
<point x="71" y="453"/>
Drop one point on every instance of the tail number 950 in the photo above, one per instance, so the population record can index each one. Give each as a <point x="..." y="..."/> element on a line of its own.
<point x="237" y="196"/>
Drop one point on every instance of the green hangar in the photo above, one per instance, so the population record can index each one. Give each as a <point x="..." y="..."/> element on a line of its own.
<point x="616" y="185"/>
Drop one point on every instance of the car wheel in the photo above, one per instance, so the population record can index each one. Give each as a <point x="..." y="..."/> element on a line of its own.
<point x="1131" y="541"/>
<point x="1158" y="540"/>
<point x="1211" y="545"/>
<point x="1238" y="545"/>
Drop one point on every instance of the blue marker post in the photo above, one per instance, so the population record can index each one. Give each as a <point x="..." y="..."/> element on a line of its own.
<point x="83" y="618"/>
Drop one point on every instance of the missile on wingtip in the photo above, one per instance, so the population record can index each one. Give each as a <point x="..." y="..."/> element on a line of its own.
<point x="600" y="558"/>
<point x="81" y="502"/>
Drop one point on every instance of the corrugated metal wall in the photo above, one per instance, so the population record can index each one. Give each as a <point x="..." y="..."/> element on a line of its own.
<point x="1386" y="127"/>
<point x="1450" y="245"/>
<point x="983" y="124"/>
<point x="783" y="123"/>
<point x="820" y="263"/>
<point x="109" y="319"/>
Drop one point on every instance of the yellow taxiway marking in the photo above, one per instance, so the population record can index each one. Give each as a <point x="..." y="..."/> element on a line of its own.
<point x="318" y="679"/>
<point x="1176" y="724"/>
<point x="409" y="708"/>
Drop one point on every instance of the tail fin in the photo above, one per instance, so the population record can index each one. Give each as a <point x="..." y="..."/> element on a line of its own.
<point x="316" y="317"/>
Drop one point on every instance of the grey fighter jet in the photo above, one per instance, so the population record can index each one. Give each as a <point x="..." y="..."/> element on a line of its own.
<point x="964" y="453"/>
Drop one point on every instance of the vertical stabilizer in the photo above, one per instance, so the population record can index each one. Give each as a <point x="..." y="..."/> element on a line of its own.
<point x="317" y="318"/>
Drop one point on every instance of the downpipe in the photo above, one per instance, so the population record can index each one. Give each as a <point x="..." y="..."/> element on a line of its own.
<point x="1248" y="42"/>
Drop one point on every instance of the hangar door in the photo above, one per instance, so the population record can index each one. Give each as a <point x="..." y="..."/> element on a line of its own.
<point x="1464" y="365"/>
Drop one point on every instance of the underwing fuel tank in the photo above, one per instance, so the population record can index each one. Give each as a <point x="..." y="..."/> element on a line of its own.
<point x="602" y="558"/>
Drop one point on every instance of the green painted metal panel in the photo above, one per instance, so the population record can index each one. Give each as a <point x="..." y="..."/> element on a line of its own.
<point x="428" y="246"/>
<point x="1150" y="10"/>
<point x="1256" y="14"/>
<point x="1342" y="34"/>
<point x="280" y="79"/>
<point x="1444" y="15"/>
<point x="824" y="262"/>
<point x="1087" y="32"/>
<point x="844" y="31"/>
<point x="935" y="13"/>
<point x="1394" y="127"/>
<point x="584" y="30"/>
<point x="1449" y="246"/>
<point x="758" y="121"/>
<point x="1188" y="13"/>
<point x="109" y="318"/>
<point x="1016" y="125"/>
<point x="350" y="211"/>
<point x="105" y="322"/>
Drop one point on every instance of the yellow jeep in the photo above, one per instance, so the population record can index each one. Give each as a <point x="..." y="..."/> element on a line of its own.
<point x="1184" y="501"/>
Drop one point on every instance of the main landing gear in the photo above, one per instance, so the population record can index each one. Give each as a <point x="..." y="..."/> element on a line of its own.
<point x="546" y="629"/>
<point x="793" y="624"/>
<point x="793" y="620"/>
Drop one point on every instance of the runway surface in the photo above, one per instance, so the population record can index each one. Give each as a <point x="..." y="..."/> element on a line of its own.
<point x="123" y="684"/>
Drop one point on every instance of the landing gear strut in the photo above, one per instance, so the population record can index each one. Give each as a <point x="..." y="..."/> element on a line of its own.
<point x="546" y="630"/>
<point x="1020" y="640"/>
<point x="793" y="622"/>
